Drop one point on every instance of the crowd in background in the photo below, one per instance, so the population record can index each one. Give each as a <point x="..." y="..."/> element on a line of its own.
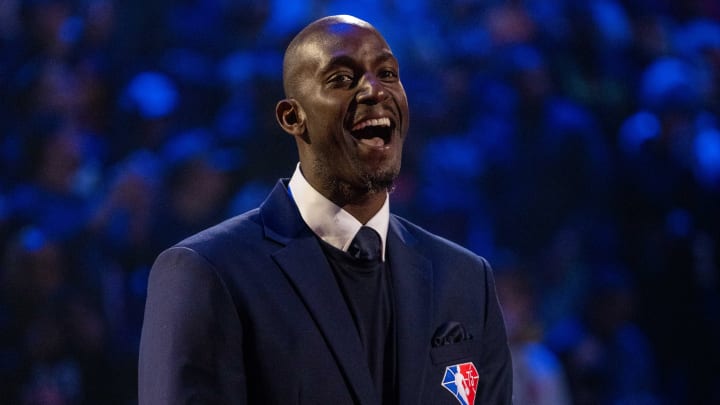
<point x="576" y="145"/>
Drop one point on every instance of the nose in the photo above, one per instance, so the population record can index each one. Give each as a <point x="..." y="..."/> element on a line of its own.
<point x="370" y="90"/>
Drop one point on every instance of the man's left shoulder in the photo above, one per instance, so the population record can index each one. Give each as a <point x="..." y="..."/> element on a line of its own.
<point x="433" y="245"/>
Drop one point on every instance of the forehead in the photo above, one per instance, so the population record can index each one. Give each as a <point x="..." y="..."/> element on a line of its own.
<point x="340" y="41"/>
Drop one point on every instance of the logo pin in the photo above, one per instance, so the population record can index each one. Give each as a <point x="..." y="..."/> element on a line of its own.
<point x="461" y="380"/>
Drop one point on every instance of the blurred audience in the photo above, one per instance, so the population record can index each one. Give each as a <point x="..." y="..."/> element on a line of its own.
<point x="538" y="375"/>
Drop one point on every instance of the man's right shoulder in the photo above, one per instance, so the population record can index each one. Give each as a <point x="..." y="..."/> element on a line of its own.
<point x="243" y="227"/>
<point x="227" y="244"/>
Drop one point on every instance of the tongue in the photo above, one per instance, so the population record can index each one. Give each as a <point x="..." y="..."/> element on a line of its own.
<point x="374" y="142"/>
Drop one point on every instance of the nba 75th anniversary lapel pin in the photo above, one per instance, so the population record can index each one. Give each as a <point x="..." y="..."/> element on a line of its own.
<point x="462" y="380"/>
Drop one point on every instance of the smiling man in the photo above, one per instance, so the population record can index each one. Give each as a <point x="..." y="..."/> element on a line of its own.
<point x="321" y="295"/>
<point x="347" y="109"/>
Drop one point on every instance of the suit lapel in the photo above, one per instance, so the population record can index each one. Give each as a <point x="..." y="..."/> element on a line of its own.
<point x="303" y="262"/>
<point x="412" y="289"/>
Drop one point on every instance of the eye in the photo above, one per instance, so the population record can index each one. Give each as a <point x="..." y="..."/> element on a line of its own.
<point x="340" y="79"/>
<point x="388" y="74"/>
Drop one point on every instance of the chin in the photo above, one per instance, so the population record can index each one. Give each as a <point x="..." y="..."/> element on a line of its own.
<point x="381" y="180"/>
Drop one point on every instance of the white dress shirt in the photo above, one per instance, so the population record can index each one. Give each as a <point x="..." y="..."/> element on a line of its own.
<point x="330" y="222"/>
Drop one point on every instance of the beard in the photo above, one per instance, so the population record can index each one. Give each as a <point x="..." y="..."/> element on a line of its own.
<point x="379" y="182"/>
<point x="365" y="181"/>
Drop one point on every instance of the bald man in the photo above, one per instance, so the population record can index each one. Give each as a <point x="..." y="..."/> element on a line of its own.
<point x="321" y="295"/>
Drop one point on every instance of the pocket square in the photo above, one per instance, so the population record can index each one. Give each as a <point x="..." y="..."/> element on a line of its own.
<point x="448" y="333"/>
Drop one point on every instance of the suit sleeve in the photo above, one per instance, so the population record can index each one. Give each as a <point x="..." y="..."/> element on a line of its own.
<point x="190" y="348"/>
<point x="496" y="379"/>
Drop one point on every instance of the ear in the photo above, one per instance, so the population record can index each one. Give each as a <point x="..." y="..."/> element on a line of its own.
<point x="291" y="117"/>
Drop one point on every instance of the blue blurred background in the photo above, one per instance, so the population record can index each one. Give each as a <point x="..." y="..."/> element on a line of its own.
<point x="575" y="144"/>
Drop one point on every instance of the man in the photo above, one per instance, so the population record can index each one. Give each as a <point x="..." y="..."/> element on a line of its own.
<point x="285" y="305"/>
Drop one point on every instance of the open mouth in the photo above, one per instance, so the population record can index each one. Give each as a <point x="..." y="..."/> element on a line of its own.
<point x="374" y="132"/>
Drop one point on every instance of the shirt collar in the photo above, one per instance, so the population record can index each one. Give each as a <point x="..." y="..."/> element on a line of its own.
<point x="330" y="222"/>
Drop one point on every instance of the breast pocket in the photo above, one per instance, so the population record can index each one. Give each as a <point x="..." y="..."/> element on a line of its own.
<point x="452" y="353"/>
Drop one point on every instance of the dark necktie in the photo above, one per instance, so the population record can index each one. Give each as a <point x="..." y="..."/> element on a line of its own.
<point x="366" y="245"/>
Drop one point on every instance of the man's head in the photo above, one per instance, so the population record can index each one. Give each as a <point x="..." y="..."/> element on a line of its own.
<point x="345" y="106"/>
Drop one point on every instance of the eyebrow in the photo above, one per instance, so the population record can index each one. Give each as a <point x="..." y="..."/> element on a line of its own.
<point x="347" y="60"/>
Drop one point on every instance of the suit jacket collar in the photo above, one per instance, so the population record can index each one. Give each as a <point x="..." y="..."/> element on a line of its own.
<point x="412" y="290"/>
<point x="280" y="217"/>
<point x="302" y="260"/>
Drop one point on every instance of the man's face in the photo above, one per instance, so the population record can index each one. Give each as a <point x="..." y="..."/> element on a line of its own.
<point x="356" y="111"/>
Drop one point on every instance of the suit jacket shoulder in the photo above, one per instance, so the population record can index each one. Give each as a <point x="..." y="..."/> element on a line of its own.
<point x="439" y="246"/>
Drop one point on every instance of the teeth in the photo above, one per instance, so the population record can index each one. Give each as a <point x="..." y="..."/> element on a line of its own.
<point x="375" y="122"/>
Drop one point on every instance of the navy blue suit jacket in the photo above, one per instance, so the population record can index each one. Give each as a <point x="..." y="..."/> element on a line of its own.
<point x="248" y="312"/>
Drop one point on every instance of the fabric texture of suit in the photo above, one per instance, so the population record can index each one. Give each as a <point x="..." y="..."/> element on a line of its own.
<point x="248" y="312"/>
